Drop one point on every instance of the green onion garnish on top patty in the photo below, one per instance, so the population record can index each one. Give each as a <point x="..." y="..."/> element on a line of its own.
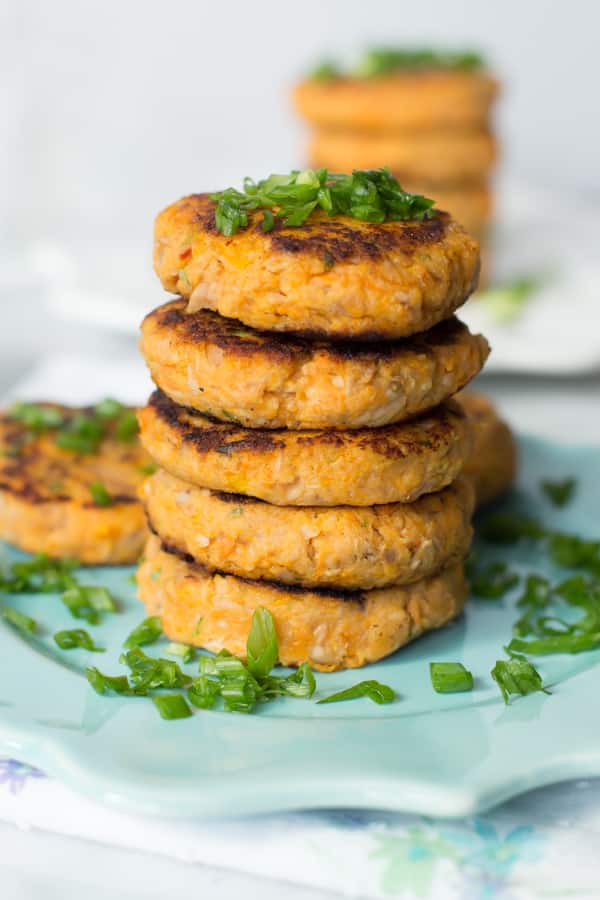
<point x="370" y="195"/>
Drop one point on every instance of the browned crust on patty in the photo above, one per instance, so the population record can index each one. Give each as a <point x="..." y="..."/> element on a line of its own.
<point x="362" y="467"/>
<point x="338" y="239"/>
<point x="333" y="276"/>
<point x="262" y="380"/>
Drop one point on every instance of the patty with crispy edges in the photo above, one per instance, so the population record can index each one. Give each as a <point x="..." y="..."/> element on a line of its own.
<point x="45" y="501"/>
<point x="328" y="629"/>
<point x="395" y="463"/>
<point x="223" y="369"/>
<point x="436" y="155"/>
<point x="434" y="98"/>
<point x="492" y="465"/>
<point x="342" y="546"/>
<point x="332" y="277"/>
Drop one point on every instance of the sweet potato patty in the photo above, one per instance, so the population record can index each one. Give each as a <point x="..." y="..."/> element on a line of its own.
<point x="223" y="369"/>
<point x="342" y="546"/>
<point x="395" y="463"/>
<point x="329" y="629"/>
<point x="403" y="100"/>
<point x="46" y="505"/>
<point x="335" y="277"/>
<point x="492" y="464"/>
<point x="436" y="155"/>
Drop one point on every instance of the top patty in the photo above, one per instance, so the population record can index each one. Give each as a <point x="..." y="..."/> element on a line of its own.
<point x="337" y="277"/>
<point x="262" y="380"/>
<point x="46" y="504"/>
<point x="395" y="463"/>
<point x="402" y="100"/>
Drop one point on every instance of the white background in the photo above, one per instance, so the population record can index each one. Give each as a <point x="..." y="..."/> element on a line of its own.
<point x="112" y="108"/>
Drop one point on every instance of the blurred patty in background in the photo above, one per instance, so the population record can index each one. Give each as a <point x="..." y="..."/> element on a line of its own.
<point x="425" y="114"/>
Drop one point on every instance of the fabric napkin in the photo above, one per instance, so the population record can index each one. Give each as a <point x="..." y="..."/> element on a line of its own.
<point x="542" y="844"/>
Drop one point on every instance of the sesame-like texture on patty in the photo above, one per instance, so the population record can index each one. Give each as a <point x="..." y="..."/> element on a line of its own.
<point x="395" y="463"/>
<point x="334" y="277"/>
<point x="342" y="546"/>
<point x="402" y="100"/>
<point x="45" y="501"/>
<point x="328" y="629"/>
<point x="261" y="380"/>
<point x="437" y="155"/>
<point x="493" y="462"/>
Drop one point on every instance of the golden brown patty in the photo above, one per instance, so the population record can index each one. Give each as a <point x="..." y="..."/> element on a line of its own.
<point x="45" y="501"/>
<point x="433" y="155"/>
<point x="492" y="464"/>
<point x="342" y="546"/>
<point x="395" y="463"/>
<point x="329" y="629"/>
<point x="411" y="100"/>
<point x="335" y="277"/>
<point x="261" y="380"/>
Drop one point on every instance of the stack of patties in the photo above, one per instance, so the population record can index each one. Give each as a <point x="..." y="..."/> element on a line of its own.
<point x="424" y="113"/>
<point x="309" y="453"/>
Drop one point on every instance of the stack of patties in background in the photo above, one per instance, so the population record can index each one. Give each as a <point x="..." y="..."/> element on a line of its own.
<point x="309" y="453"/>
<point x="425" y="114"/>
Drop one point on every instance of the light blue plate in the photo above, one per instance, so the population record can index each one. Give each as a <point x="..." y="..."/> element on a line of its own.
<point x="442" y="755"/>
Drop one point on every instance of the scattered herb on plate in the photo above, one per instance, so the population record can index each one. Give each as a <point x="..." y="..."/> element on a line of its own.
<point x="450" y="677"/>
<point x="517" y="676"/>
<point x="559" y="493"/>
<point x="76" y="638"/>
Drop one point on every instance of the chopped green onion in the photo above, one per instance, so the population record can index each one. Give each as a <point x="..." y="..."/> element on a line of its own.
<point x="325" y="71"/>
<point x="374" y="690"/>
<point x="183" y="275"/>
<point x="76" y="637"/>
<point x="493" y="581"/>
<point x="82" y="434"/>
<point x="127" y="427"/>
<point x="35" y="417"/>
<point x="19" y="620"/>
<point x="450" y="677"/>
<point x="262" y="647"/>
<point x="108" y="408"/>
<point x="516" y="676"/>
<point x="184" y="651"/>
<point x="506" y="301"/>
<point x="504" y="528"/>
<point x="203" y="692"/>
<point x="149" y="673"/>
<point x="106" y="684"/>
<point x="371" y="195"/>
<point x="87" y="602"/>
<point x="560" y="643"/>
<point x="172" y="706"/>
<point x="100" y="495"/>
<point x="147" y="632"/>
<point x="575" y="552"/>
<point x="559" y="492"/>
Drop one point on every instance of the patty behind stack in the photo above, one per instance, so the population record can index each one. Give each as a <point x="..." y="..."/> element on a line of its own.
<point x="427" y="116"/>
<point x="309" y="453"/>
